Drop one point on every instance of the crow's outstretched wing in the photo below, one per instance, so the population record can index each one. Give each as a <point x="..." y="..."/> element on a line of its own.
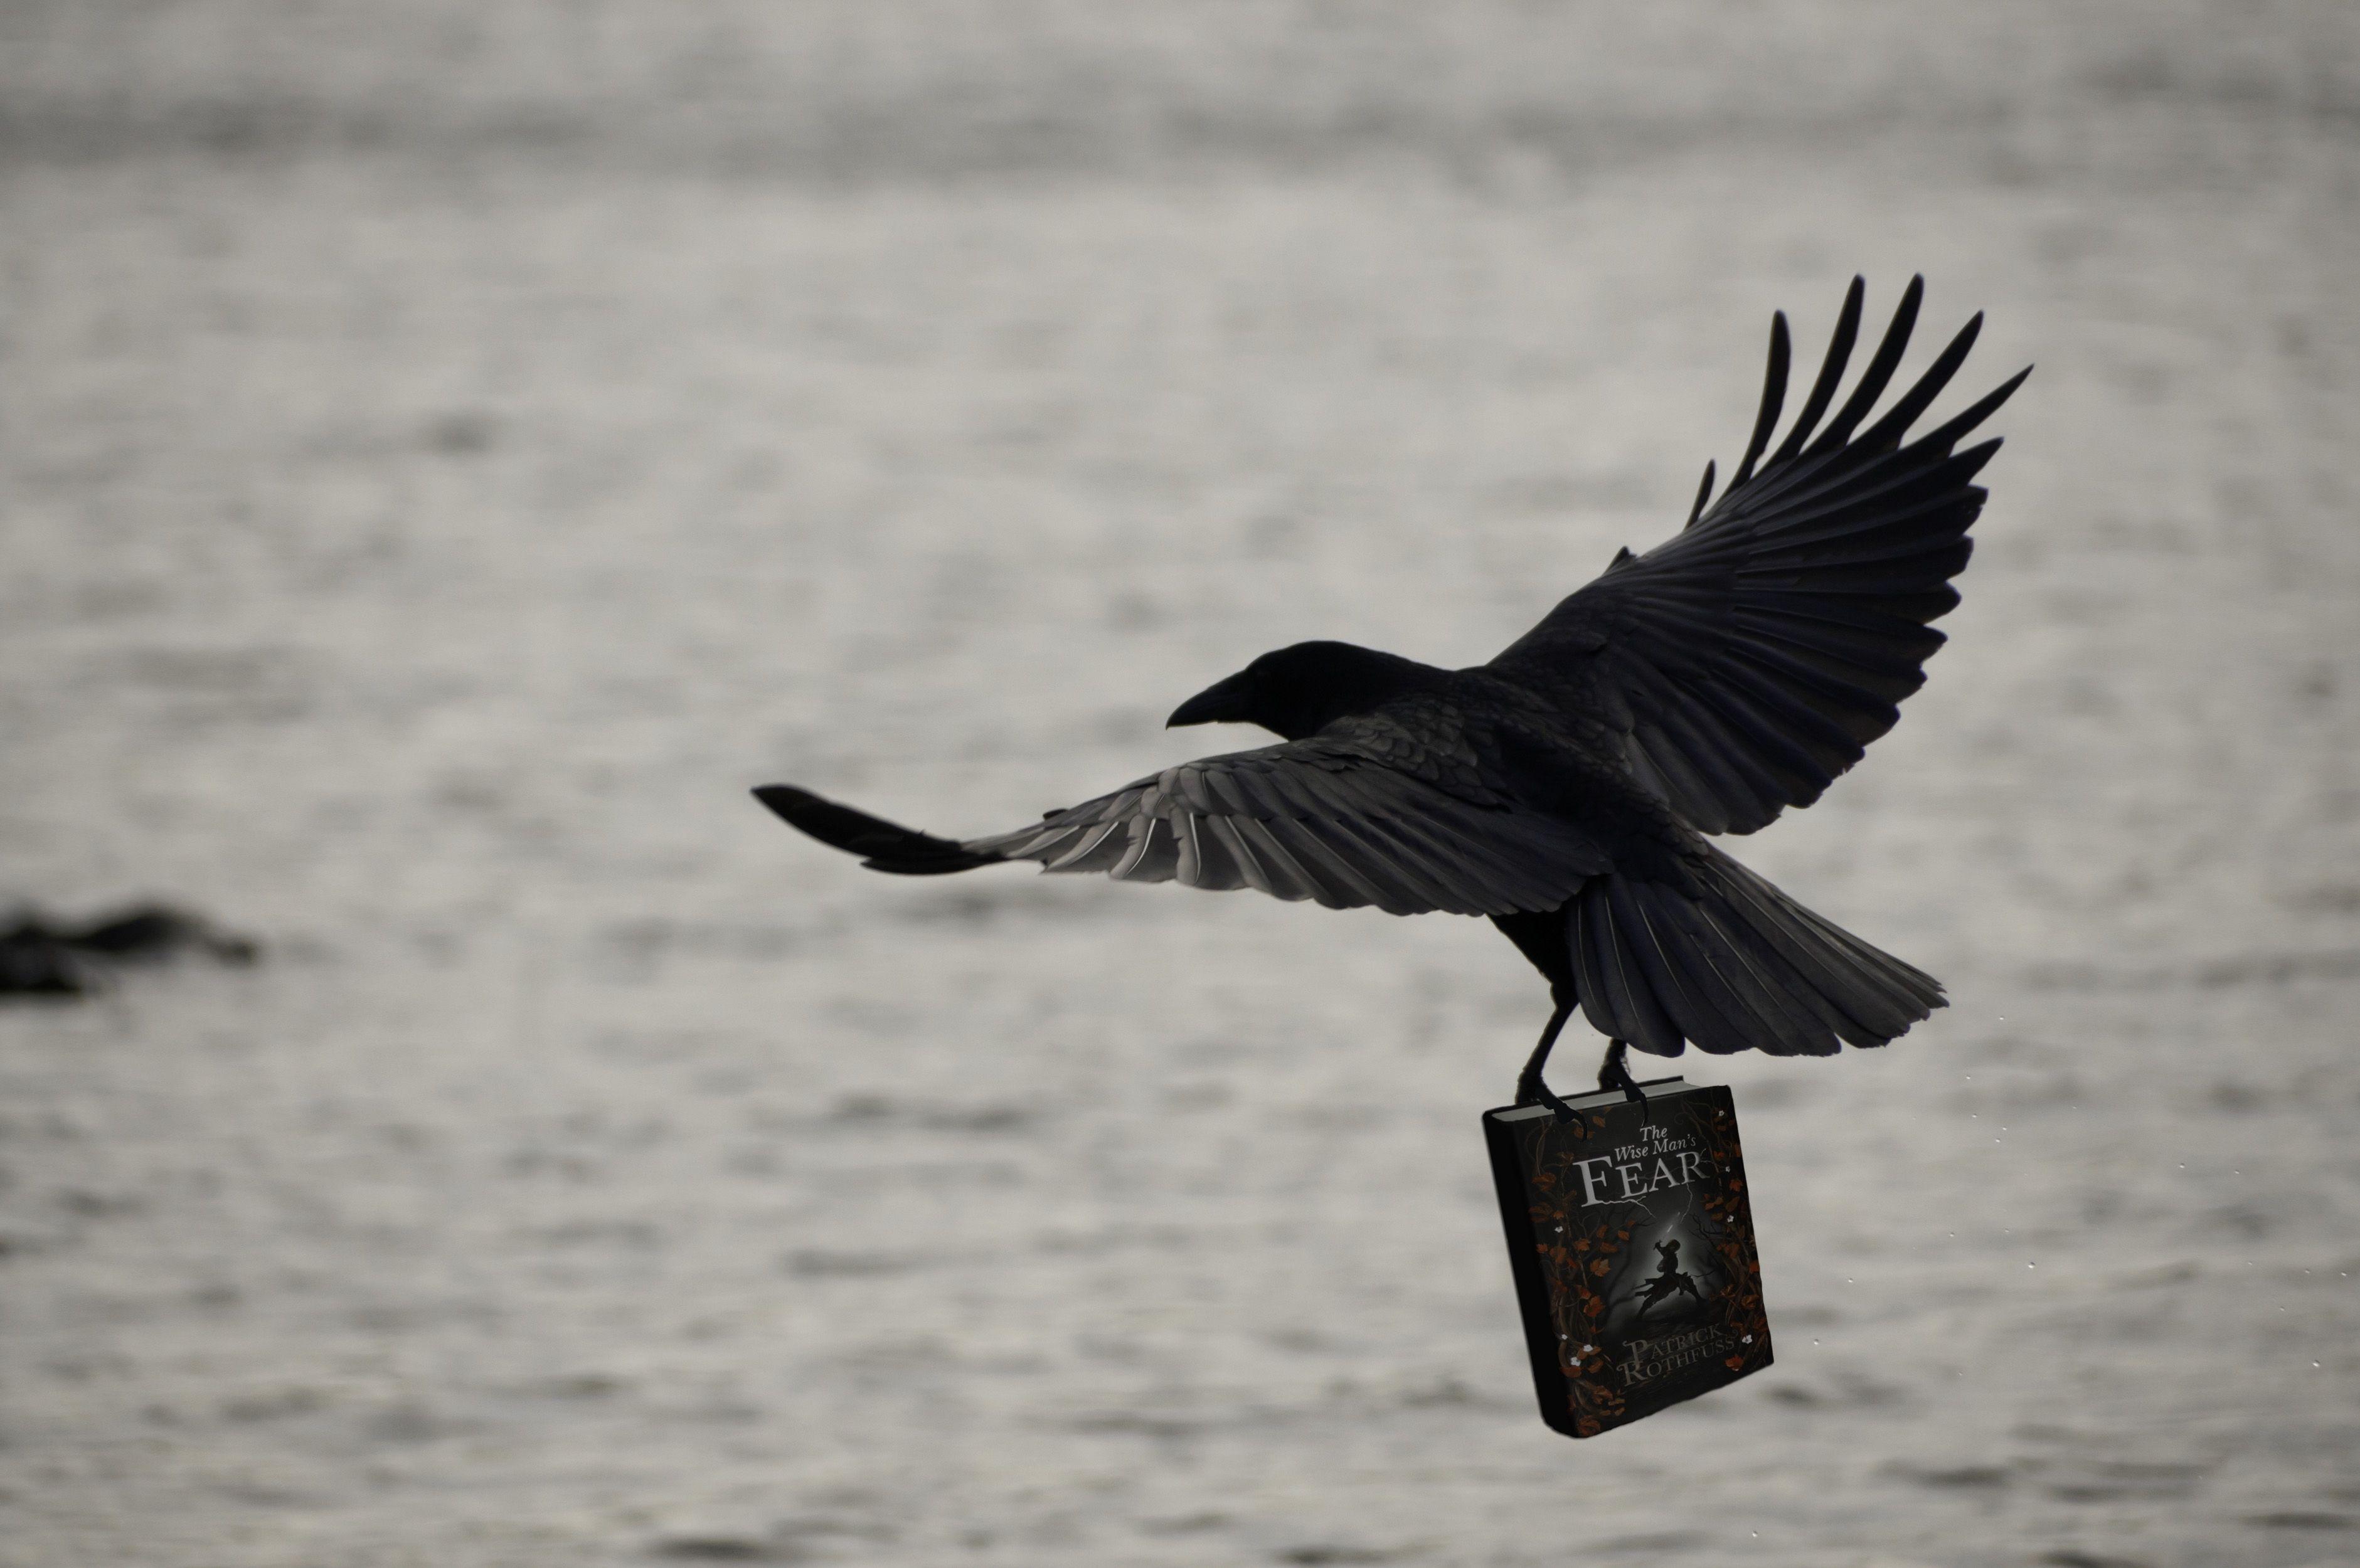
<point x="1327" y="818"/>
<point x="1750" y="659"/>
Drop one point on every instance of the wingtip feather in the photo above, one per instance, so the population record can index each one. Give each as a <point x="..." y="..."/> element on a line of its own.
<point x="1704" y="493"/>
<point x="1773" y="398"/>
<point x="884" y="846"/>
<point x="1832" y="369"/>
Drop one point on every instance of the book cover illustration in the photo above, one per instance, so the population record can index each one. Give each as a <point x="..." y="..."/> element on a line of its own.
<point x="1632" y="1251"/>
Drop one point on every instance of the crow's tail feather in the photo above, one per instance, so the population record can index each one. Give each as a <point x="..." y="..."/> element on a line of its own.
<point x="1733" y="965"/>
<point x="882" y="845"/>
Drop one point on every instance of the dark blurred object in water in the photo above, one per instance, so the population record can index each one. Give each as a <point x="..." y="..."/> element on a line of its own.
<point x="40" y="957"/>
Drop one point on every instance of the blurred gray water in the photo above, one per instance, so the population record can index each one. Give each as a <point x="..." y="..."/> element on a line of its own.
<point x="449" y="451"/>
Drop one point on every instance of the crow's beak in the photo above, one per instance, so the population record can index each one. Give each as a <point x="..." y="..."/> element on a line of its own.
<point x="1224" y="702"/>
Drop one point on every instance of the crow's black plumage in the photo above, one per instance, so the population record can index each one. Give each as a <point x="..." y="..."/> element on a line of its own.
<point x="1566" y="789"/>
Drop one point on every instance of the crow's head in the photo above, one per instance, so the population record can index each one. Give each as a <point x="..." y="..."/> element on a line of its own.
<point x="1297" y="691"/>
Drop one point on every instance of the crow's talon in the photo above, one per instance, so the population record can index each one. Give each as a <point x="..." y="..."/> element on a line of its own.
<point x="1565" y="1112"/>
<point x="1612" y="1074"/>
<point x="1532" y="1091"/>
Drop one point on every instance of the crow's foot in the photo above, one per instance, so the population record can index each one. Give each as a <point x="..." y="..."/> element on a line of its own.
<point x="1613" y="1073"/>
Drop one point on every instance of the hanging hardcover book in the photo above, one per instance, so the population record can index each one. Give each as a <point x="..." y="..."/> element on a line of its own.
<point x="1632" y="1251"/>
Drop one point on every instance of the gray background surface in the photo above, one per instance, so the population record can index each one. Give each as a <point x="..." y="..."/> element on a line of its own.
<point x="449" y="451"/>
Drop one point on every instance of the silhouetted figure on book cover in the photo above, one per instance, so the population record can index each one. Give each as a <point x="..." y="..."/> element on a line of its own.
<point x="1566" y="789"/>
<point x="1669" y="1279"/>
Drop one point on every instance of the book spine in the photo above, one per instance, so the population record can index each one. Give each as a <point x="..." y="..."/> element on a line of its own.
<point x="1532" y="1288"/>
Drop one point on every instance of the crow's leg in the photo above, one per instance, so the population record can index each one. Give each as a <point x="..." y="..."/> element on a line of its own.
<point x="1613" y="1074"/>
<point x="1529" y="1087"/>
<point x="1543" y="939"/>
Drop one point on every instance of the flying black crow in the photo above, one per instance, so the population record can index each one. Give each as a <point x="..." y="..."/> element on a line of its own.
<point x="1566" y="789"/>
